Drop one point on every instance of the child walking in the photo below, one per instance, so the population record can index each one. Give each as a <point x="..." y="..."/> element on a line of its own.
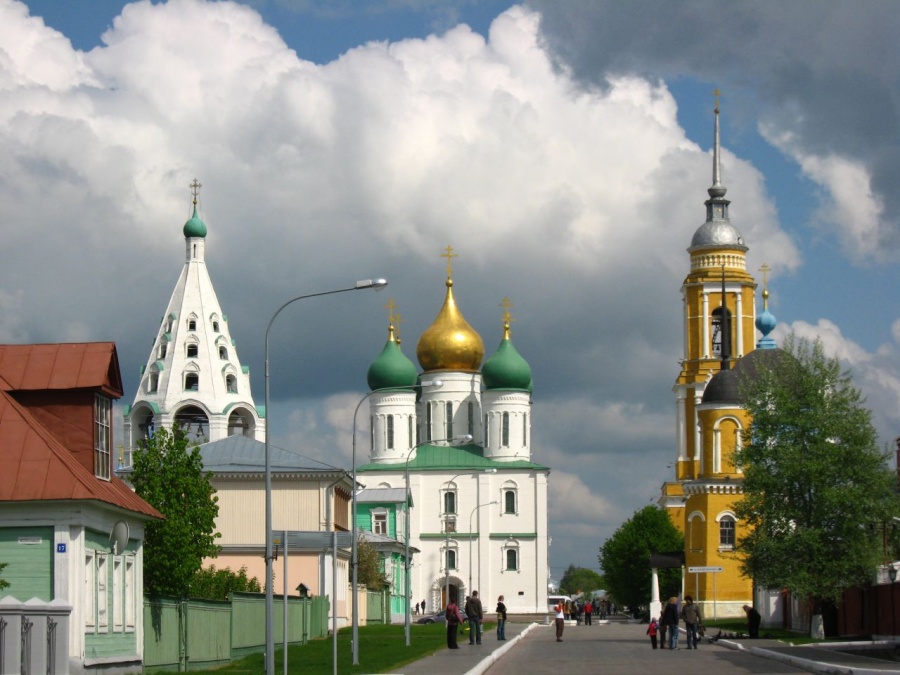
<point x="652" y="630"/>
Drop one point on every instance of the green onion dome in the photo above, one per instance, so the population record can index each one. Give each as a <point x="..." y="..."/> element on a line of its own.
<point x="195" y="227"/>
<point x="506" y="369"/>
<point x="392" y="370"/>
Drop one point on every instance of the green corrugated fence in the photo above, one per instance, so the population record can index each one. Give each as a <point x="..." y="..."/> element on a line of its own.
<point x="182" y="635"/>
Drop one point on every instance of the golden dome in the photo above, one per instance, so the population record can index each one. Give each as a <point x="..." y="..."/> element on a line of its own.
<point x="450" y="343"/>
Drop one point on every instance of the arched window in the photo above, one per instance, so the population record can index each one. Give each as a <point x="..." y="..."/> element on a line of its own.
<point x="192" y="324"/>
<point x="163" y="348"/>
<point x="153" y="382"/>
<point x="450" y="501"/>
<point x="192" y="350"/>
<point x="390" y="432"/>
<point x="471" y="420"/>
<point x="717" y="332"/>
<point x="191" y="381"/>
<point x="504" y="434"/>
<point x="509" y="501"/>
<point x="448" y="413"/>
<point x="487" y="432"/>
<point x="695" y="532"/>
<point x="428" y="421"/>
<point x="726" y="532"/>
<point x="223" y="352"/>
<point x="512" y="559"/>
<point x="231" y="384"/>
<point x="451" y="559"/>
<point x="215" y="325"/>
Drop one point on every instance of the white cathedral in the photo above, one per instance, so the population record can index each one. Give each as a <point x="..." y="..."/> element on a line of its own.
<point x="463" y="432"/>
<point x="479" y="504"/>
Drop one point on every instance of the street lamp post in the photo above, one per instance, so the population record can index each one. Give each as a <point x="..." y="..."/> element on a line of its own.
<point x="447" y="534"/>
<point x="496" y="501"/>
<point x="354" y="536"/>
<point x="376" y="284"/>
<point x="467" y="438"/>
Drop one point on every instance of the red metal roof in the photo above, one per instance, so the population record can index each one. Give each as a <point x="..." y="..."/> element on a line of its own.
<point x="61" y="366"/>
<point x="36" y="466"/>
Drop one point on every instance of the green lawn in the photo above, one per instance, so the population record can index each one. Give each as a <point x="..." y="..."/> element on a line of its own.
<point x="382" y="649"/>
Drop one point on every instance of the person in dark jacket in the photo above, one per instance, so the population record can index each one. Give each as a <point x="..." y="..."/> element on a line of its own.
<point x="692" y="620"/>
<point x="753" y="620"/>
<point x="453" y="621"/>
<point x="475" y="614"/>
<point x="501" y="619"/>
<point x="670" y="620"/>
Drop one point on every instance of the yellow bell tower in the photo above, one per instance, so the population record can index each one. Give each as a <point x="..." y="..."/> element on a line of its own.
<point x="719" y="319"/>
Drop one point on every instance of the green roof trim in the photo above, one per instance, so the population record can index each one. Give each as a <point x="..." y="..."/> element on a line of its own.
<point x="245" y="370"/>
<point x="261" y="412"/>
<point x="455" y="457"/>
<point x="143" y="368"/>
<point x="453" y="535"/>
<point x="513" y="535"/>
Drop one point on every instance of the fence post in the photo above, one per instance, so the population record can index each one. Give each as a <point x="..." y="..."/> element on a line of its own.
<point x="11" y="612"/>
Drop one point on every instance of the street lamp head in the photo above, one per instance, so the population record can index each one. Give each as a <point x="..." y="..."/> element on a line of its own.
<point x="377" y="284"/>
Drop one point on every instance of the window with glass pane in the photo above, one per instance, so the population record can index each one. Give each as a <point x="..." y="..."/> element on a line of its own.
<point x="726" y="532"/>
<point x="504" y="436"/>
<point x="509" y="500"/>
<point x="512" y="559"/>
<point x="449" y="502"/>
<point x="390" y="432"/>
<point x="451" y="559"/>
<point x="102" y="436"/>
<point x="448" y="413"/>
<point x="379" y="523"/>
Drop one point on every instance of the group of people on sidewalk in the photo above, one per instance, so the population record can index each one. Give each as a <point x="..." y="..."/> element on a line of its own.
<point x="668" y="624"/>
<point x="475" y="616"/>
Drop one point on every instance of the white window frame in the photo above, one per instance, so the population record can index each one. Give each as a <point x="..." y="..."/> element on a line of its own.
<point x="102" y="592"/>
<point x="380" y="518"/>
<point x="118" y="605"/>
<point x="130" y="591"/>
<point x="102" y="436"/>
<point x="90" y="592"/>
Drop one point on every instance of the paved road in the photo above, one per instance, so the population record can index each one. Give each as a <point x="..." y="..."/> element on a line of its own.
<point x="622" y="648"/>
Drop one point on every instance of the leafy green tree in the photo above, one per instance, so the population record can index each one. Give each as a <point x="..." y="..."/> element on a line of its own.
<point x="3" y="582"/>
<point x="577" y="579"/>
<point x="625" y="557"/>
<point x="214" y="584"/>
<point x="815" y="481"/>
<point x="169" y="475"/>
<point x="370" y="570"/>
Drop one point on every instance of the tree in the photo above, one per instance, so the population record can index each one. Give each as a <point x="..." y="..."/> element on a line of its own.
<point x="578" y="579"/>
<point x="816" y="486"/>
<point x="370" y="570"/>
<point x="3" y="582"/>
<point x="625" y="557"/>
<point x="169" y="475"/>
<point x="214" y="584"/>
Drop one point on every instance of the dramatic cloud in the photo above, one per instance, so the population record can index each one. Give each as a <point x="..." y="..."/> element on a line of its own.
<point x="575" y="201"/>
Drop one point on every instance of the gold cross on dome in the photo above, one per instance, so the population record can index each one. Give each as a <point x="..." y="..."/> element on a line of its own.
<point x="765" y="269"/>
<point x="195" y="188"/>
<point x="449" y="255"/>
<point x="507" y="315"/>
<point x="398" y="319"/>
<point x="716" y="93"/>
<point x="390" y="307"/>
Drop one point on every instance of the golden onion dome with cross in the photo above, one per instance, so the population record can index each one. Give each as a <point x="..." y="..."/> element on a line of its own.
<point x="450" y="343"/>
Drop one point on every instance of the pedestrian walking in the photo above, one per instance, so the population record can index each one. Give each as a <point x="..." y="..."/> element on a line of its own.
<point x="670" y="620"/>
<point x="652" y="630"/>
<point x="588" y="613"/>
<point x="475" y="613"/>
<point x="692" y="620"/>
<point x="501" y="619"/>
<point x="560" y="610"/>
<point x="453" y="620"/>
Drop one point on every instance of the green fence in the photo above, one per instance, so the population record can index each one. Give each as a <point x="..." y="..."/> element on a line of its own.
<point x="378" y="609"/>
<point x="181" y="635"/>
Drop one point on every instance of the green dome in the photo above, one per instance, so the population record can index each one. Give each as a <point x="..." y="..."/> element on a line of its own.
<point x="195" y="227"/>
<point x="392" y="369"/>
<point x="506" y="369"/>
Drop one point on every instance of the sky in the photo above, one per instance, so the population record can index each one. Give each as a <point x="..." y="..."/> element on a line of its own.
<point x="562" y="148"/>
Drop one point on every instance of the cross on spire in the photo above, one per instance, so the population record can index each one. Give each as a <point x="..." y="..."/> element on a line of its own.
<point x="449" y="255"/>
<point x="195" y="189"/>
<point x="716" y="93"/>
<point x="507" y="316"/>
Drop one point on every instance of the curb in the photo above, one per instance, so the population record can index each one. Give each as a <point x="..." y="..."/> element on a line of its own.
<point x="497" y="653"/>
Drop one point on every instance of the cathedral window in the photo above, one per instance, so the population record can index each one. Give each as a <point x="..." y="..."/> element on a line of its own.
<point x="231" y="384"/>
<point x="192" y="350"/>
<point x="153" y="382"/>
<point x="191" y="381"/>
<point x="726" y="533"/>
<point x="215" y="325"/>
<point x="471" y="419"/>
<point x="487" y="432"/>
<point x="512" y="560"/>
<point x="448" y="412"/>
<point x="102" y="436"/>
<point x="192" y="324"/>
<point x="390" y="432"/>
<point x="163" y="348"/>
<point x="428" y="421"/>
<point x="223" y="352"/>
<point x="509" y="501"/>
<point x="450" y="501"/>
<point x="504" y="434"/>
<point x="451" y="559"/>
